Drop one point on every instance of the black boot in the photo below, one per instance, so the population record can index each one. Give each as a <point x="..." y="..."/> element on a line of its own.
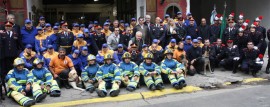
<point x="41" y="97"/>
<point x="92" y="89"/>
<point x="115" y="93"/>
<point x="152" y="87"/>
<point x="267" y="71"/>
<point x="160" y="86"/>
<point x="55" y="94"/>
<point x="29" y="103"/>
<point x="66" y="84"/>
<point x="130" y="89"/>
<point x="176" y="86"/>
<point x="101" y="93"/>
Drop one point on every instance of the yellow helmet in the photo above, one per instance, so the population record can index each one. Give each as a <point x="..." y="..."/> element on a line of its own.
<point x="37" y="61"/>
<point x="148" y="56"/>
<point x="126" y="55"/>
<point x="168" y="51"/>
<point x="108" y="56"/>
<point x="91" y="57"/>
<point x="18" y="61"/>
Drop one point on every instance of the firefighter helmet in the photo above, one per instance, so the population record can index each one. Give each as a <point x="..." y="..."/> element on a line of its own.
<point x="18" y="61"/>
<point x="148" y="56"/>
<point x="126" y="55"/>
<point x="91" y="57"/>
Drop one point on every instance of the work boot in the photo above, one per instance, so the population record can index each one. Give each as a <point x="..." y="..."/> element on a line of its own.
<point x="181" y="84"/>
<point x="29" y="103"/>
<point x="160" y="86"/>
<point x="92" y="89"/>
<point x="66" y="85"/>
<point x="176" y="86"/>
<point x="55" y="94"/>
<point x="130" y="89"/>
<point x="115" y="93"/>
<point x="100" y="93"/>
<point x="41" y="97"/>
<point x="152" y="87"/>
<point x="254" y="74"/>
<point x="267" y="71"/>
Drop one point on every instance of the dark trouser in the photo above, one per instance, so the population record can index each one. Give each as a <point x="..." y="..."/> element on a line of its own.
<point x="263" y="47"/>
<point x="250" y="66"/>
<point x="68" y="50"/>
<point x="198" y="65"/>
<point x="229" y="64"/>
<point x="268" y="64"/>
<point x="7" y="65"/>
<point x="62" y="78"/>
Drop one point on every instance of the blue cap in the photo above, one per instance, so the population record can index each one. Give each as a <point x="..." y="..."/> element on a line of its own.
<point x="28" y="46"/>
<point x="173" y="41"/>
<point x="144" y="45"/>
<point x="106" y="23"/>
<point x="76" y="51"/>
<point x="49" y="46"/>
<point x="133" y="19"/>
<point x="126" y="25"/>
<point x="39" y="28"/>
<point x="47" y="25"/>
<point x="167" y="15"/>
<point x="27" y="21"/>
<point x="86" y="31"/>
<point x="195" y="40"/>
<point x="199" y="38"/>
<point x="42" y="49"/>
<point x="104" y="45"/>
<point x="120" y="46"/>
<point x="80" y="35"/>
<point x="155" y="41"/>
<point x="56" y="24"/>
<point x="55" y="28"/>
<point x="95" y="22"/>
<point x="122" y="21"/>
<point x="188" y="37"/>
<point x="189" y="13"/>
<point x="85" y="48"/>
<point x="178" y="13"/>
<point x="76" y="25"/>
<point x="41" y="18"/>
<point x="108" y="20"/>
<point x="82" y="25"/>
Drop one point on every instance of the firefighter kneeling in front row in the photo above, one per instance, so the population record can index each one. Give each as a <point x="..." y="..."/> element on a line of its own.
<point x="130" y="72"/>
<point x="151" y="73"/>
<point x="44" y="78"/>
<point x="21" y="84"/>
<point x="174" y="70"/>
<point x="109" y="76"/>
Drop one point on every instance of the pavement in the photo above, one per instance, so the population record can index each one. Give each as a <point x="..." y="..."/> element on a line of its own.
<point x="198" y="83"/>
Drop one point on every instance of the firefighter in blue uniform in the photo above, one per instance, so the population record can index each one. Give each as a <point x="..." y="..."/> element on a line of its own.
<point x="83" y="56"/>
<point x="130" y="72"/>
<point x="89" y="73"/>
<point x="173" y="70"/>
<point x="151" y="73"/>
<point x="21" y="85"/>
<point x="109" y="76"/>
<point x="44" y="78"/>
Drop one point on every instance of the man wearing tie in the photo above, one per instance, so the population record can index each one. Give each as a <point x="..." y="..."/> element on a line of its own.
<point x="230" y="32"/>
<point x="158" y="32"/>
<point x="12" y="45"/>
<point x="65" y="38"/>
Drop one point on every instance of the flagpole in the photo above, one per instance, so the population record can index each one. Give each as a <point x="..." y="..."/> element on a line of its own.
<point x="223" y="25"/>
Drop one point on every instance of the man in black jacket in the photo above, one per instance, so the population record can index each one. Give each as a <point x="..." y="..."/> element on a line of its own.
<point x="194" y="57"/>
<point x="158" y="32"/>
<point x="146" y="35"/>
<point x="204" y="30"/>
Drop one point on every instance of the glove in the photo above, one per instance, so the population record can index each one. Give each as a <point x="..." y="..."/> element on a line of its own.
<point x="236" y="58"/>
<point x="234" y="46"/>
<point x="255" y="47"/>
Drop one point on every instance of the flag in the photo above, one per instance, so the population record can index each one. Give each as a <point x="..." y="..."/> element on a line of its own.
<point x="223" y="24"/>
<point x="213" y="15"/>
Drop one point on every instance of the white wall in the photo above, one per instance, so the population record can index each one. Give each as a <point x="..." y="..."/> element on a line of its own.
<point x="30" y="3"/>
<point x="253" y="9"/>
<point x="141" y="3"/>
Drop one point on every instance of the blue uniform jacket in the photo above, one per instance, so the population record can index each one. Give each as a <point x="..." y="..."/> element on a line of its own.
<point x="76" y="62"/>
<point x="52" y="40"/>
<point x="28" y="36"/>
<point x="89" y="72"/>
<point x="84" y="60"/>
<point x="42" y="76"/>
<point x="109" y="72"/>
<point x="129" y="69"/>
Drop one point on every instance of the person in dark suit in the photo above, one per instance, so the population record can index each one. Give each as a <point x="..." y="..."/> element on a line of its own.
<point x="146" y="35"/>
<point x="230" y="32"/>
<point x="65" y="38"/>
<point x="125" y="38"/>
<point x="158" y="32"/>
<point x="16" y="27"/>
<point x="11" y="46"/>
